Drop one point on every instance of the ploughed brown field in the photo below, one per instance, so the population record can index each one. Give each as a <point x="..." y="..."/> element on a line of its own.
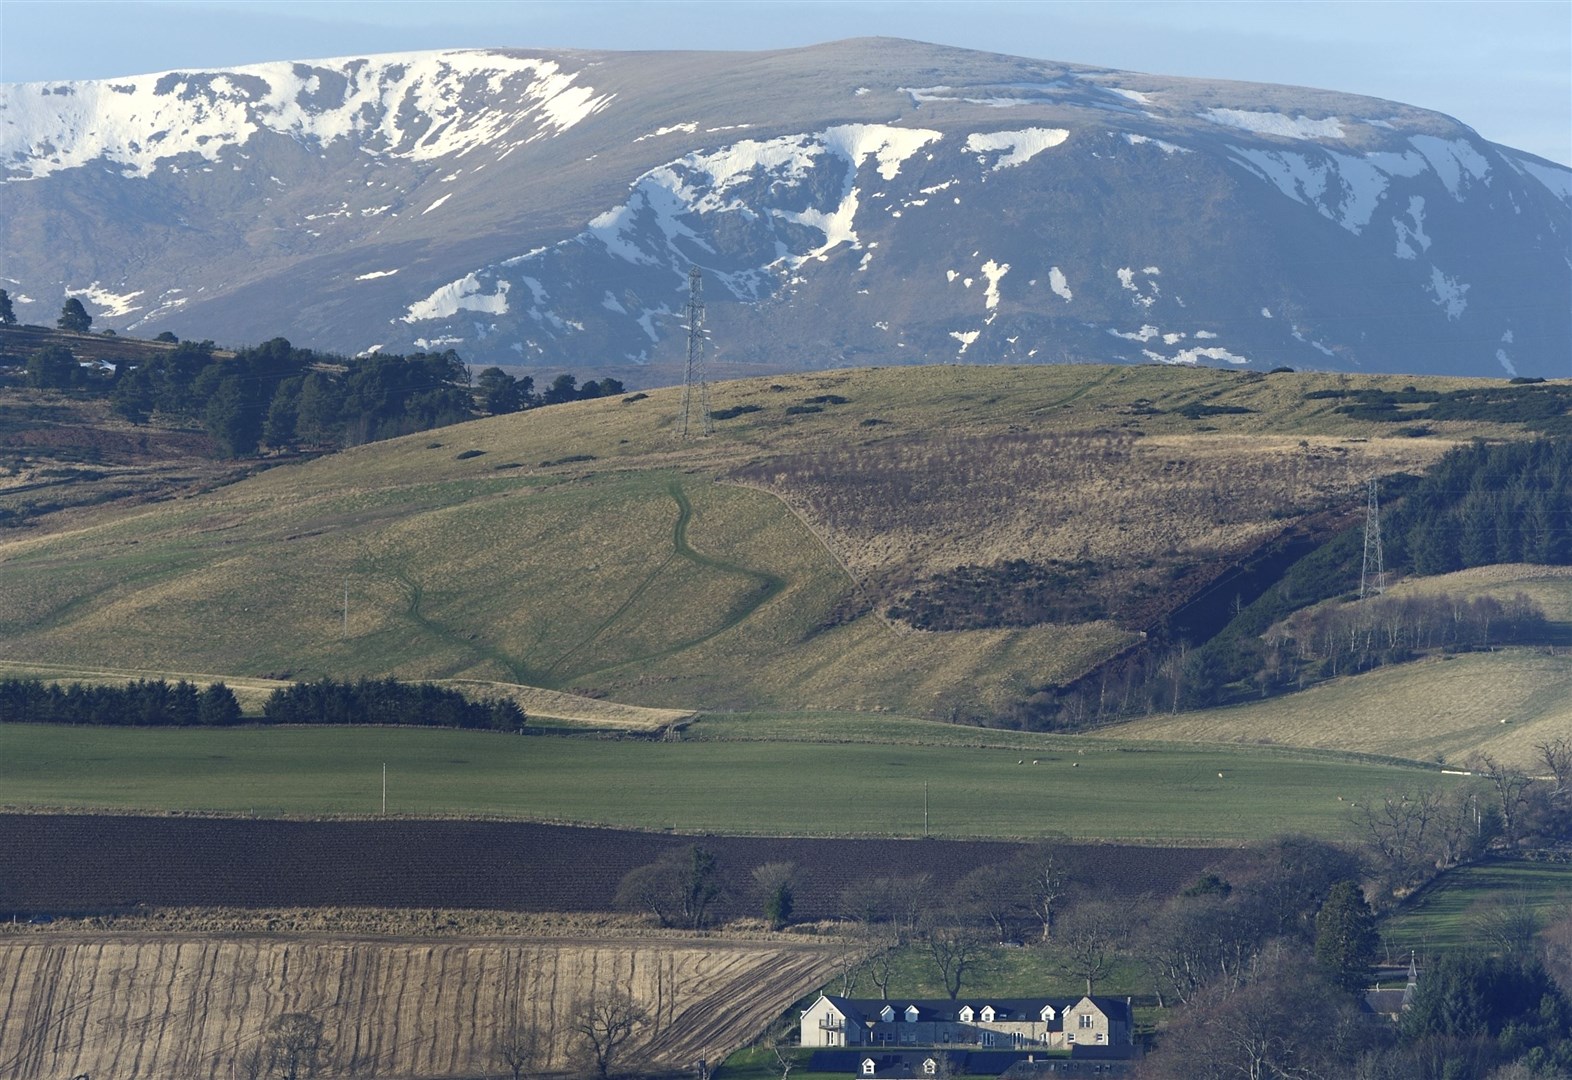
<point x="95" y="864"/>
<point x="173" y="1007"/>
<point x="152" y="1005"/>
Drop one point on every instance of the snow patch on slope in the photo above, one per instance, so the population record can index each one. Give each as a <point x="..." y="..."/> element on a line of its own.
<point x="1273" y="123"/>
<point x="416" y="106"/>
<point x="465" y="294"/>
<point x="114" y="304"/>
<point x="1557" y="178"/>
<point x="1449" y="294"/>
<point x="1454" y="160"/>
<point x="1015" y="147"/>
<point x="1345" y="188"/>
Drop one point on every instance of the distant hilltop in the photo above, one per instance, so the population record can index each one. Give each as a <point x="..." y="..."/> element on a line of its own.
<point x="873" y="201"/>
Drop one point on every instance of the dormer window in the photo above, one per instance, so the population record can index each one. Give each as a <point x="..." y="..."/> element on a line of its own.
<point x="911" y="1014"/>
<point x="1048" y="1013"/>
<point x="966" y="1014"/>
<point x="987" y="1014"/>
<point x="930" y="1067"/>
<point x="887" y="1014"/>
<point x="867" y="1066"/>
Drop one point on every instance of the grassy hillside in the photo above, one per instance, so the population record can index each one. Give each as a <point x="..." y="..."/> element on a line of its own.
<point x="586" y="547"/>
<point x="1438" y="709"/>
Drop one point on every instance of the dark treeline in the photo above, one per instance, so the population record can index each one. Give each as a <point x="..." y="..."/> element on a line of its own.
<point x="388" y="701"/>
<point x="144" y="703"/>
<point x="155" y="703"/>
<point x="1535" y="404"/>
<point x="1314" y="644"/>
<point x="1483" y="504"/>
<point x="1479" y="504"/>
<point x="278" y="396"/>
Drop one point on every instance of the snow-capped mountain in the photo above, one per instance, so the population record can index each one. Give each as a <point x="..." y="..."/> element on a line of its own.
<point x="869" y="201"/>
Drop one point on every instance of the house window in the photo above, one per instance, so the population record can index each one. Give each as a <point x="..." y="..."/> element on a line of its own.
<point x="987" y="1038"/>
<point x="1084" y="1020"/>
<point x="1102" y="1038"/>
<point x="1069" y="1036"/>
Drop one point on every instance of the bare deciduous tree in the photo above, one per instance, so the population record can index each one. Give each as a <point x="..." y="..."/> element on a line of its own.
<point x="1091" y="939"/>
<point x="295" y="1046"/>
<point x="780" y="1046"/>
<point x="957" y="951"/>
<point x="603" y="1026"/>
<point x="679" y="888"/>
<point x="522" y="1049"/>
<point x="1509" y="924"/>
<point x="1511" y="791"/>
<point x="775" y="886"/>
<point x="1556" y="756"/>
<point x="1047" y="880"/>
<point x="880" y="943"/>
<point x="1397" y="831"/>
<point x="993" y="892"/>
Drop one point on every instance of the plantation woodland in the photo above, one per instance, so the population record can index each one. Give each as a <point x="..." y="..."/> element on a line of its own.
<point x="280" y="397"/>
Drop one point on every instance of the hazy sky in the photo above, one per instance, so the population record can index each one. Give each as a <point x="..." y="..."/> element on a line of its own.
<point x="1502" y="67"/>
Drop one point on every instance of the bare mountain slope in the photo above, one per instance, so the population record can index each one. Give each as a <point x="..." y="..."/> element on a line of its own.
<point x="865" y="201"/>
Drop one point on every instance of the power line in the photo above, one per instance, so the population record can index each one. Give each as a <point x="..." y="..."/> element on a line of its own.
<point x="695" y="369"/>
<point x="1372" y="575"/>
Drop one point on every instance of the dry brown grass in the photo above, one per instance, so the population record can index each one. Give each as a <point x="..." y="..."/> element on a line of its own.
<point x="574" y="708"/>
<point x="156" y="1006"/>
<point x="1500" y="702"/>
<point x="921" y="506"/>
<point x="503" y="568"/>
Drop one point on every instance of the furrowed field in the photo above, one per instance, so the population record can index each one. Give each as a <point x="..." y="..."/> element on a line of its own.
<point x="192" y="1007"/>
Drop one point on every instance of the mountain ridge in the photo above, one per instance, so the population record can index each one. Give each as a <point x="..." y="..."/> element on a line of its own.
<point x="541" y="209"/>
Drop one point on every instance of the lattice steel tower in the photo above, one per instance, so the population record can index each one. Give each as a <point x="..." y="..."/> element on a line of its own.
<point x="695" y="371"/>
<point x="1372" y="576"/>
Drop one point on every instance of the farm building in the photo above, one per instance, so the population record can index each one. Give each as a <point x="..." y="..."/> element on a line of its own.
<point x="989" y="1024"/>
<point x="940" y="1064"/>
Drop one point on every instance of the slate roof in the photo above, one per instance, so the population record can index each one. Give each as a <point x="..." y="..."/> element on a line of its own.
<point x="908" y="1063"/>
<point x="932" y="1009"/>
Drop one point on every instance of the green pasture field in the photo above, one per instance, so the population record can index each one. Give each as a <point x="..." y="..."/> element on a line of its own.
<point x="1091" y="790"/>
<point x="1444" y="916"/>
